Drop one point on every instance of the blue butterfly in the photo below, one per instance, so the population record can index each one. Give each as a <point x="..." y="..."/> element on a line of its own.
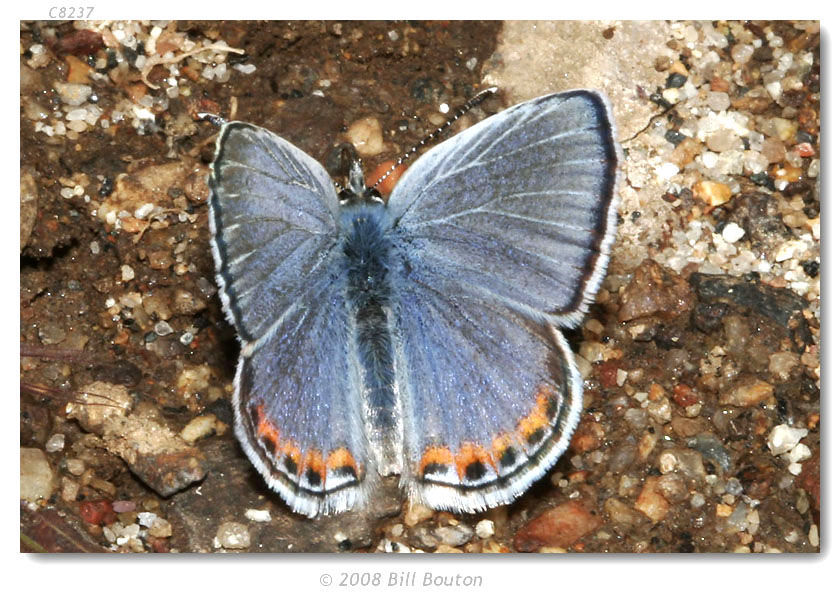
<point x="419" y="336"/>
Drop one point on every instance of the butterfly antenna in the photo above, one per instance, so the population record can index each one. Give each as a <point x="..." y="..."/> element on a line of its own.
<point x="468" y="105"/>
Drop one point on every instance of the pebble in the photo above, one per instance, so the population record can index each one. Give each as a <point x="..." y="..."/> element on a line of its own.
<point x="782" y="363"/>
<point x="36" y="476"/>
<point x="75" y="466"/>
<point x="73" y="94"/>
<point x="51" y="333"/>
<point x="717" y="101"/>
<point x="99" y="401"/>
<point x="55" y="443"/>
<point x="258" y="516"/>
<point x="126" y="273"/>
<point x="621" y="513"/>
<point x="712" y="193"/>
<point x="485" y="528"/>
<point x="186" y="303"/>
<point x="785" y="128"/>
<point x="454" y="535"/>
<point x="202" y="426"/>
<point x="162" y="328"/>
<point x="160" y="527"/>
<point x="732" y="232"/>
<point x="783" y="438"/>
<point x="232" y="536"/>
<point x="651" y="502"/>
<point x="747" y="391"/>
<point x="193" y="380"/>
<point x="69" y="489"/>
<point x="711" y="448"/>
<point x="653" y="290"/>
<point x="558" y="527"/>
<point x="723" y="140"/>
<point x="366" y="136"/>
<point x="417" y="513"/>
<point x="124" y="506"/>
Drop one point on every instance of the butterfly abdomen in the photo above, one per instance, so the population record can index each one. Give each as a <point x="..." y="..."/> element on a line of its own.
<point x="366" y="254"/>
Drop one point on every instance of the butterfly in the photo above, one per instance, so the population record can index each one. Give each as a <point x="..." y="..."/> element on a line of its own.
<point x="418" y="336"/>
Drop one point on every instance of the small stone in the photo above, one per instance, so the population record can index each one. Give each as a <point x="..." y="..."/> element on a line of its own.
<point x="162" y="328"/>
<point x="783" y="438"/>
<point x="75" y="466"/>
<point x="366" y="136"/>
<point x="99" y="401"/>
<point x="124" y="506"/>
<point x="712" y="193"/>
<point x="417" y="513"/>
<point x="732" y="232"/>
<point x="718" y="101"/>
<point x="782" y="364"/>
<point x="651" y="502"/>
<point x="747" y="391"/>
<point x="160" y="260"/>
<point x="193" y="380"/>
<point x="28" y="206"/>
<point x="485" y="528"/>
<point x="73" y="94"/>
<point x="799" y="453"/>
<point x="160" y="528"/>
<point x="773" y="150"/>
<point x="69" y="489"/>
<point x="622" y="514"/>
<point x="126" y="273"/>
<point x="660" y="410"/>
<point x="741" y="53"/>
<point x="785" y="128"/>
<point x="454" y="535"/>
<point x="36" y="476"/>
<point x="558" y="527"/>
<point x="51" y="333"/>
<point x="55" y="443"/>
<point x="258" y="516"/>
<point x="789" y="249"/>
<point x="723" y="140"/>
<point x="187" y="303"/>
<point x="654" y="290"/>
<point x="201" y="427"/>
<point x="232" y="536"/>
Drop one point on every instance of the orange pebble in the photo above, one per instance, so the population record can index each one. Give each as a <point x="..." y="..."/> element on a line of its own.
<point x="387" y="186"/>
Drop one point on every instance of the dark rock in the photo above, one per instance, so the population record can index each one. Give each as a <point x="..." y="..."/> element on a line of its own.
<point x="780" y="305"/>
<point x="708" y="317"/>
<point x="654" y="291"/>
<point x="759" y="215"/>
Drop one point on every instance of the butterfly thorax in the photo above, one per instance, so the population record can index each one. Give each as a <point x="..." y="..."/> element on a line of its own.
<point x="366" y="250"/>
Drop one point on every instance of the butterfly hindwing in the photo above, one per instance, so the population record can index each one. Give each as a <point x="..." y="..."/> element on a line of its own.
<point x="296" y="399"/>
<point x="490" y="396"/>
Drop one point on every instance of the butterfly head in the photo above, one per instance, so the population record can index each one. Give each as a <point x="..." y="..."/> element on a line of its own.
<point x="357" y="192"/>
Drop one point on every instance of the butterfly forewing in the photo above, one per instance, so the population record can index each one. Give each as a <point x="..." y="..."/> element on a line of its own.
<point x="521" y="204"/>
